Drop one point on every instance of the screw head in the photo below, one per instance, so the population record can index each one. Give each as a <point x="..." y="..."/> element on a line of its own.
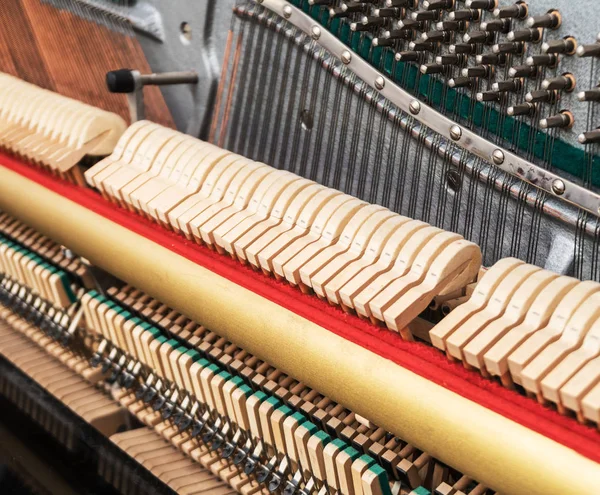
<point x="346" y="57"/>
<point x="558" y="187"/>
<point x="315" y="32"/>
<point x="379" y="82"/>
<point x="455" y="132"/>
<point x="498" y="157"/>
<point x="287" y="11"/>
<point x="414" y="107"/>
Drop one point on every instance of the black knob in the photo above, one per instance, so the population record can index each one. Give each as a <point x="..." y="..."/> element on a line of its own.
<point x="120" y="81"/>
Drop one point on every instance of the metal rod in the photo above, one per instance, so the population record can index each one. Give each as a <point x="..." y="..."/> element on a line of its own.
<point x="165" y="78"/>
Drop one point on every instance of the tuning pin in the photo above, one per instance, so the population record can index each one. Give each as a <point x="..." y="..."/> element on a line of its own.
<point x="444" y="37"/>
<point x="521" y="109"/>
<point x="460" y="82"/>
<point x="482" y="4"/>
<point x="449" y="59"/>
<point x="387" y="12"/>
<point x="513" y="47"/>
<point x="478" y="37"/>
<point x="432" y="68"/>
<point x="465" y="15"/>
<point x="425" y="15"/>
<point x="396" y="34"/>
<point x="383" y="41"/>
<point x="406" y="56"/>
<point x="462" y="48"/>
<point x="589" y="50"/>
<point x="562" y="120"/>
<point x="405" y="24"/>
<point x="487" y="96"/>
<point x="551" y="20"/>
<point x="589" y="95"/>
<point x="450" y="26"/>
<point x="352" y="7"/>
<point x="373" y="20"/>
<point x="566" y="82"/>
<point x="400" y="3"/>
<point x="545" y="60"/>
<point x="338" y="13"/>
<point x="510" y="86"/>
<point x="367" y="23"/>
<point x="477" y="71"/>
<point x="541" y="96"/>
<point x="329" y="3"/>
<point x="533" y="35"/>
<point x="359" y="26"/>
<point x="437" y="36"/>
<point x="496" y="26"/>
<point x="438" y="4"/>
<point x="515" y="11"/>
<point x="491" y="59"/>
<point x="523" y="71"/>
<point x="566" y="45"/>
<point x="422" y="46"/>
<point x="589" y="137"/>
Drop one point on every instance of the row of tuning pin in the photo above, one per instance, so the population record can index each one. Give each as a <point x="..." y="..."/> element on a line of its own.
<point x="396" y="25"/>
<point x="393" y="25"/>
<point x="551" y="87"/>
<point x="591" y="95"/>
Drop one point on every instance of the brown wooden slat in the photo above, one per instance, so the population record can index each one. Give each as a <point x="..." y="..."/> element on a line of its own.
<point x="22" y="44"/>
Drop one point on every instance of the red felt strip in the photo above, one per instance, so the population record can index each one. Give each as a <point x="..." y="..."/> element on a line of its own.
<point x="419" y="358"/>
